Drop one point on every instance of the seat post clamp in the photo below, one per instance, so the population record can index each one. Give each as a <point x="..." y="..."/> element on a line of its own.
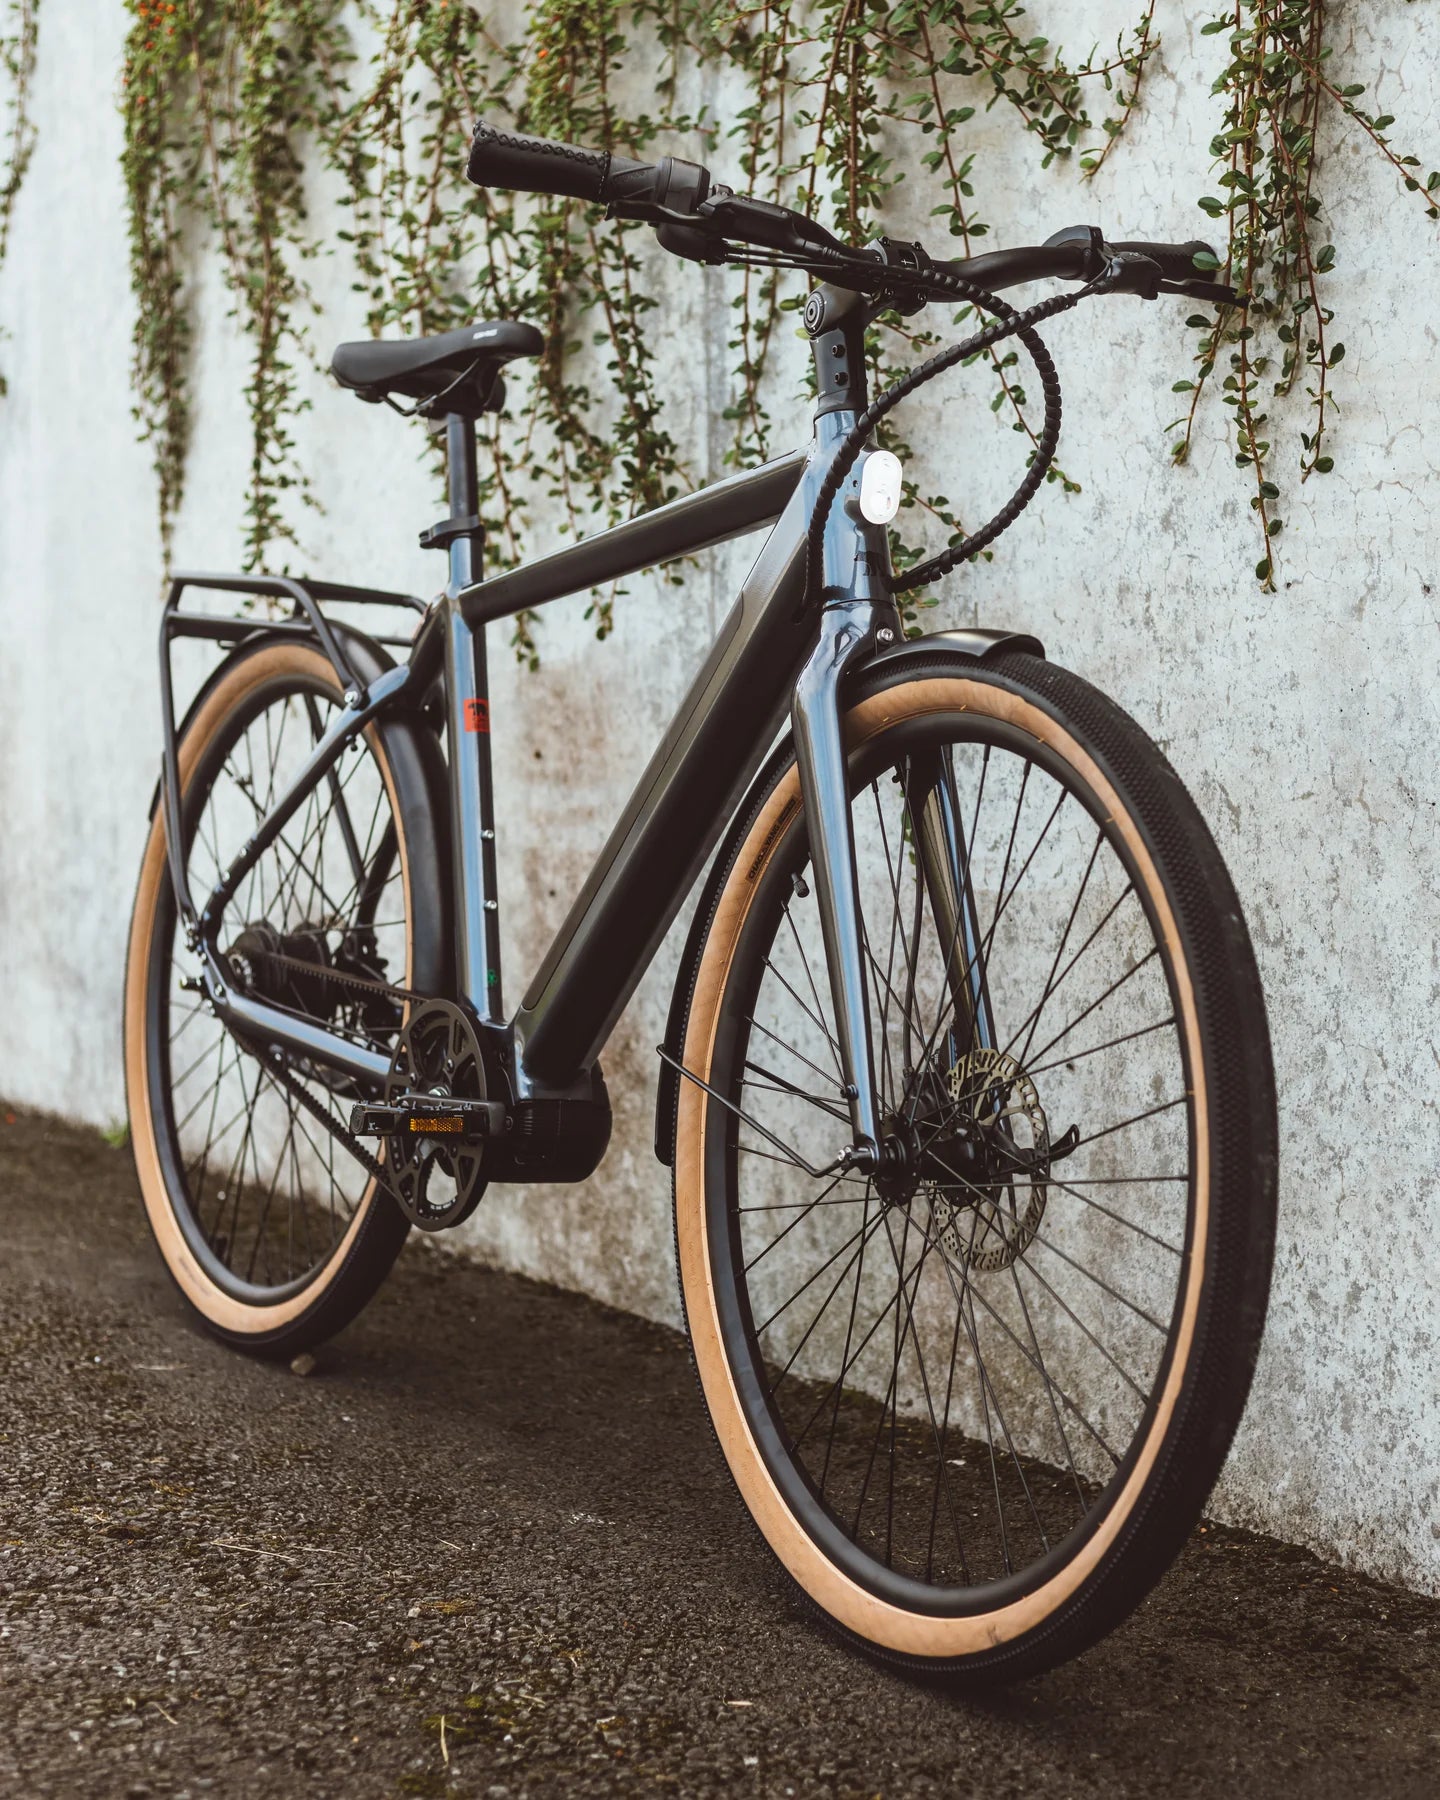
<point x="440" y="536"/>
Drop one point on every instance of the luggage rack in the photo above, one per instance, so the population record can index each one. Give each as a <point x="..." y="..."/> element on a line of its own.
<point x="306" y="622"/>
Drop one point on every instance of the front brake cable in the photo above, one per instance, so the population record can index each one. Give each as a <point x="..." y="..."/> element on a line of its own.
<point x="1008" y="323"/>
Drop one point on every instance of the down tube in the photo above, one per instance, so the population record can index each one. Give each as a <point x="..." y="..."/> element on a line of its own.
<point x="693" y="783"/>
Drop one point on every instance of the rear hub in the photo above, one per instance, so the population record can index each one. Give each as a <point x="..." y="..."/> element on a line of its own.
<point x="286" y="969"/>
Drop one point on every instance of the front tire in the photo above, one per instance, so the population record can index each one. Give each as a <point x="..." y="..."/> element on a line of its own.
<point x="1055" y="1337"/>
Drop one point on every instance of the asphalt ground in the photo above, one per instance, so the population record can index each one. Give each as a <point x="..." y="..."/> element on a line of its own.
<point x="487" y="1547"/>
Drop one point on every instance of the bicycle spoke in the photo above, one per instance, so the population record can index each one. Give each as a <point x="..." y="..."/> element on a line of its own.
<point x="955" y="1374"/>
<point x="284" y="1198"/>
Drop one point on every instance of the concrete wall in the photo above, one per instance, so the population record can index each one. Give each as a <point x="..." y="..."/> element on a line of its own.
<point x="1304" y="721"/>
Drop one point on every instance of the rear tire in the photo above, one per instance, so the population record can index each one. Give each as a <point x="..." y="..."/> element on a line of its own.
<point x="274" y="1235"/>
<point x="999" y="1604"/>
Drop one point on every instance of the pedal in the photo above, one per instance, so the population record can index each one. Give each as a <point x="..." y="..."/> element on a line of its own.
<point x="423" y="1115"/>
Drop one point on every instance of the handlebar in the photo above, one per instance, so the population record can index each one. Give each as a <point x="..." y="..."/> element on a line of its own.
<point x="707" y="222"/>
<point x="531" y="165"/>
<point x="1080" y="252"/>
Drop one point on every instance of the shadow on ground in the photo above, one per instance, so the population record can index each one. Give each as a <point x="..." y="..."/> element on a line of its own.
<point x="487" y="1548"/>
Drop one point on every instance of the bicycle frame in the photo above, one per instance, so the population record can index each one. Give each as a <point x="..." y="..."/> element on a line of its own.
<point x="776" y="650"/>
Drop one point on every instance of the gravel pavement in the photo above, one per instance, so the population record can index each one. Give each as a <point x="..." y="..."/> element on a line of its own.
<point x="487" y="1548"/>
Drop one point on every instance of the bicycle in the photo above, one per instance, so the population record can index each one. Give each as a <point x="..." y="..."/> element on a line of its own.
<point x="966" y="1086"/>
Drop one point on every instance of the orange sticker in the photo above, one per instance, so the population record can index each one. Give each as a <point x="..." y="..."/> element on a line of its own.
<point x="477" y="716"/>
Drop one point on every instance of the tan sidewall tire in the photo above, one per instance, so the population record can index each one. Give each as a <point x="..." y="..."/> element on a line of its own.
<point x="878" y="1621"/>
<point x="220" y="1309"/>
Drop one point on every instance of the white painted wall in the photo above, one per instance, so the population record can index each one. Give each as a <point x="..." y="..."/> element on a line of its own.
<point x="1304" y="721"/>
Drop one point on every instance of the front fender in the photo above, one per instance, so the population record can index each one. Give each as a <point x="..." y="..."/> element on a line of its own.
<point x="976" y="642"/>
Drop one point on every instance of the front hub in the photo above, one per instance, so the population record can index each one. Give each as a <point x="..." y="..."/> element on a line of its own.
<point x="974" y="1139"/>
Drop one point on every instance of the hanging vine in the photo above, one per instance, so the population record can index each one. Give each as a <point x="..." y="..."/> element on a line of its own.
<point x="17" y="60"/>
<point x="1280" y="97"/>
<point x="219" y="95"/>
<point x="840" y="99"/>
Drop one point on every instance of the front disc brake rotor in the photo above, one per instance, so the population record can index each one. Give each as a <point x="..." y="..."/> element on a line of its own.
<point x="999" y="1216"/>
<point x="437" y="1054"/>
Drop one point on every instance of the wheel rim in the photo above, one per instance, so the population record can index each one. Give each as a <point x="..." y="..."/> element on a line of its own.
<point x="938" y="1474"/>
<point x="263" y="1196"/>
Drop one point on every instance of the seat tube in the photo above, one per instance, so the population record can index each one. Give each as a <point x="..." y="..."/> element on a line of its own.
<point x="472" y="793"/>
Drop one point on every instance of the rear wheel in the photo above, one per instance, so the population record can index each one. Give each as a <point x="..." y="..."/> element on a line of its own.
<point x="275" y="1234"/>
<point x="976" y="1405"/>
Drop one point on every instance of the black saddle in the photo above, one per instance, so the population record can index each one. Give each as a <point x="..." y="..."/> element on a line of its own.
<point x="456" y="372"/>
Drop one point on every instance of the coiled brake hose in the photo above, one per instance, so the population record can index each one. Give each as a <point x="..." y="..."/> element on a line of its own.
<point x="1008" y="323"/>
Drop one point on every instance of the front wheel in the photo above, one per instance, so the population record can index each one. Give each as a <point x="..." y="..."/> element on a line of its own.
<point x="976" y="1405"/>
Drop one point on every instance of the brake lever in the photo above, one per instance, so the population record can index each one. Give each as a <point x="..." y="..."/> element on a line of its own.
<point x="766" y="226"/>
<point x="1127" y="272"/>
<point x="1218" y="293"/>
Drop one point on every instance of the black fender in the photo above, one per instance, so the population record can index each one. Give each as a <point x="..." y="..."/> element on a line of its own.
<point x="418" y="769"/>
<point x="975" y="642"/>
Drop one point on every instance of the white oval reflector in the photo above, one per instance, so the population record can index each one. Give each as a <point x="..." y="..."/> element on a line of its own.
<point x="880" y="477"/>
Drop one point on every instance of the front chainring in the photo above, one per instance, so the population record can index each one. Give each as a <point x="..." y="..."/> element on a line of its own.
<point x="436" y="1184"/>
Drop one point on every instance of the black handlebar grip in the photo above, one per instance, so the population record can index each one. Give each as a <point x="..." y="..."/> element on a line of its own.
<point x="1177" y="261"/>
<point x="529" y="165"/>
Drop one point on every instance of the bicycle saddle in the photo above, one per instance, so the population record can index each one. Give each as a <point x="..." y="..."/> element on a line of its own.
<point x="456" y="371"/>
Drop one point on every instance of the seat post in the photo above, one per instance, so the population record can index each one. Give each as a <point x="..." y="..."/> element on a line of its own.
<point x="467" y="546"/>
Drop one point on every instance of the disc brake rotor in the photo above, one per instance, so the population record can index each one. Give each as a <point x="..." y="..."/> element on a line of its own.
<point x="997" y="1220"/>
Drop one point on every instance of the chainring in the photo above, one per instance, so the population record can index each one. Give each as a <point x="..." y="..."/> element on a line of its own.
<point x="436" y="1184"/>
<point x="989" y="1234"/>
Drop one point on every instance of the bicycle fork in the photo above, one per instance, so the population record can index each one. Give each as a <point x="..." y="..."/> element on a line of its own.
<point x="858" y="618"/>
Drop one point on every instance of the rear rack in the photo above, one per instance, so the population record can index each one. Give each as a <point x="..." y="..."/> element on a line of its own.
<point x="306" y="621"/>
